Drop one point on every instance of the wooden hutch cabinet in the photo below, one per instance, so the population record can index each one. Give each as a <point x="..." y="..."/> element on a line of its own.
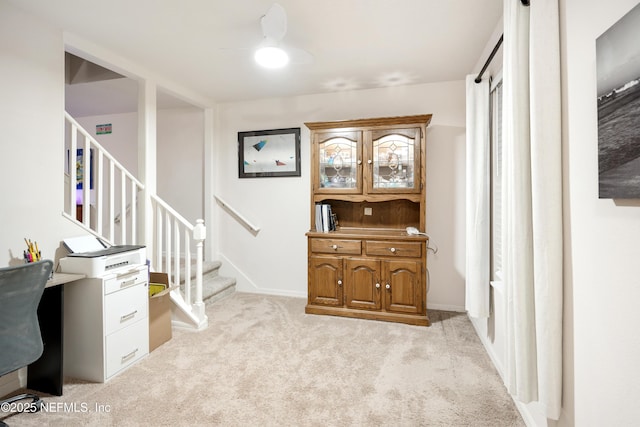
<point x="372" y="174"/>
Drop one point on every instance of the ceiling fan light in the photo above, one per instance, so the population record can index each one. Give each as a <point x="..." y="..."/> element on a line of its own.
<point x="271" y="57"/>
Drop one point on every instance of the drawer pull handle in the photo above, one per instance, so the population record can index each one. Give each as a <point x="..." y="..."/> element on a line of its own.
<point x="128" y="316"/>
<point x="388" y="286"/>
<point x="129" y="355"/>
<point x="393" y="250"/>
<point x="339" y="282"/>
<point x="377" y="285"/>
<point x="335" y="247"/>
<point x="128" y="273"/>
<point x="128" y="283"/>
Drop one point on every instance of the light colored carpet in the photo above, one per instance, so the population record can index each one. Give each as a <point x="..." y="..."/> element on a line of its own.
<point x="264" y="362"/>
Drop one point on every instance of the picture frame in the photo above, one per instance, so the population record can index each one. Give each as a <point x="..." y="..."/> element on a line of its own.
<point x="618" y="100"/>
<point x="269" y="153"/>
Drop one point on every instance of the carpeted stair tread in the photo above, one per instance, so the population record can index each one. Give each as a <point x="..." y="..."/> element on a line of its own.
<point x="214" y="286"/>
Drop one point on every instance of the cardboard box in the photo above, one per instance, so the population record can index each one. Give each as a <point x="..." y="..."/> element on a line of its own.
<point x="159" y="312"/>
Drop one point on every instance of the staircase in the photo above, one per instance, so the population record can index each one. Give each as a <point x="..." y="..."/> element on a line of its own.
<point x="214" y="286"/>
<point x="114" y="206"/>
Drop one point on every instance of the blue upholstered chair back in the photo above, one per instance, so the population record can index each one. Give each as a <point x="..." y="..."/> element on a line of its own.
<point x="21" y="288"/>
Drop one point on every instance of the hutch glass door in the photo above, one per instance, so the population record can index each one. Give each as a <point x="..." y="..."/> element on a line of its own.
<point x="395" y="165"/>
<point x="338" y="163"/>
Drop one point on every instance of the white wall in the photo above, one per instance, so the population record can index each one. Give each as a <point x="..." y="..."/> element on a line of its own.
<point x="275" y="261"/>
<point x="31" y="136"/>
<point x="601" y="240"/>
<point x="180" y="162"/>
<point x="122" y="142"/>
<point x="601" y="347"/>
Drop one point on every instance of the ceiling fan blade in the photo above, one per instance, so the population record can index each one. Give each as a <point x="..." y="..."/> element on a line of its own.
<point x="274" y="22"/>
<point x="298" y="56"/>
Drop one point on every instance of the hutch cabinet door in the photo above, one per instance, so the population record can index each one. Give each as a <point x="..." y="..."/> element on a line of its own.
<point x="325" y="281"/>
<point x="393" y="161"/>
<point x="337" y="162"/>
<point x="362" y="285"/>
<point x="403" y="287"/>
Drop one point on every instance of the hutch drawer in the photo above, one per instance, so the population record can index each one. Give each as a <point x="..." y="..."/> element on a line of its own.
<point x="336" y="246"/>
<point x="393" y="248"/>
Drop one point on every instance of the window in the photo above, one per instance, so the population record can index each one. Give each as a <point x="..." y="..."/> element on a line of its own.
<point x="496" y="180"/>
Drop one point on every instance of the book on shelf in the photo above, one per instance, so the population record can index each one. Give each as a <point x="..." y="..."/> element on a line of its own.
<point x="325" y="219"/>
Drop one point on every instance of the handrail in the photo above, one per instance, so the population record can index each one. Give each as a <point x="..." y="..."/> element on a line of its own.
<point x="106" y="184"/>
<point x="104" y="151"/>
<point x="172" y="211"/>
<point x="174" y="236"/>
<point x="99" y="195"/>
<point x="245" y="222"/>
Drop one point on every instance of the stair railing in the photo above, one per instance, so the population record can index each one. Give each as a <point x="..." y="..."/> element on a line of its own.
<point x="240" y="218"/>
<point x="172" y="251"/>
<point x="110" y="201"/>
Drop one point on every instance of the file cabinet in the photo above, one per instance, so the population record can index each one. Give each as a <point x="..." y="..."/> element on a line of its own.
<point x="106" y="324"/>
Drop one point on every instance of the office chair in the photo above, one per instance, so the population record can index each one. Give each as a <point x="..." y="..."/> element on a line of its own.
<point x="21" y="288"/>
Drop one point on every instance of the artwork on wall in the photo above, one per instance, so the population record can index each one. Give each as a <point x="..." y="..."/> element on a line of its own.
<point x="269" y="153"/>
<point x="618" y="71"/>
<point x="80" y="168"/>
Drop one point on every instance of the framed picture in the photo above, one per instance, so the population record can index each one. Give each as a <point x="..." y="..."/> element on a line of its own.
<point x="269" y="153"/>
<point x="618" y="73"/>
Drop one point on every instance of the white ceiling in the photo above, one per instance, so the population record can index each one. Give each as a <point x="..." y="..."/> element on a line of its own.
<point x="205" y="45"/>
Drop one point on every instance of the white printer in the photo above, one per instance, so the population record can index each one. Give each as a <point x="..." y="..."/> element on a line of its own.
<point x="92" y="257"/>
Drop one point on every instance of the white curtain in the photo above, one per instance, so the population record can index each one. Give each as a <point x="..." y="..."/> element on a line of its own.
<point x="532" y="203"/>
<point x="477" y="198"/>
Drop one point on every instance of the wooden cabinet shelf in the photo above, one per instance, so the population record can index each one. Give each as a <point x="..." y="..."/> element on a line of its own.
<point x="372" y="174"/>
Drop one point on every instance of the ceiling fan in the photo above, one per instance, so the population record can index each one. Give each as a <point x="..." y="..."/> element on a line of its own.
<point x="271" y="52"/>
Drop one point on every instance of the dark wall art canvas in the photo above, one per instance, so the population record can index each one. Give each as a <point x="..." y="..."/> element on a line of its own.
<point x="618" y="68"/>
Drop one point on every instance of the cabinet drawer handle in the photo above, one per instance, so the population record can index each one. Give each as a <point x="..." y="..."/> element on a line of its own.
<point x="387" y="286"/>
<point x="339" y="282"/>
<point x="128" y="273"/>
<point x="126" y="283"/>
<point x="129" y="355"/>
<point x="128" y="316"/>
<point x="393" y="250"/>
<point x="335" y="247"/>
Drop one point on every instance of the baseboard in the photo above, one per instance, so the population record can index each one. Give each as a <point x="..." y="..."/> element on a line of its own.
<point x="525" y="412"/>
<point x="446" y="307"/>
<point x="12" y="382"/>
<point x="244" y="284"/>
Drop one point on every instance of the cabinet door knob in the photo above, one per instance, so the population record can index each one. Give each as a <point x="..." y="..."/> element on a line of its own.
<point x="339" y="282"/>
<point x="388" y="286"/>
<point x="393" y="250"/>
<point x="369" y="161"/>
<point x="359" y="161"/>
<point x="377" y="285"/>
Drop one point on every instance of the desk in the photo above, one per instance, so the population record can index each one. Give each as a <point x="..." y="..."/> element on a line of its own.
<point x="46" y="373"/>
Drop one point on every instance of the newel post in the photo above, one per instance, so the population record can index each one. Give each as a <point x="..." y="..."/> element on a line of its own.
<point x="199" y="235"/>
